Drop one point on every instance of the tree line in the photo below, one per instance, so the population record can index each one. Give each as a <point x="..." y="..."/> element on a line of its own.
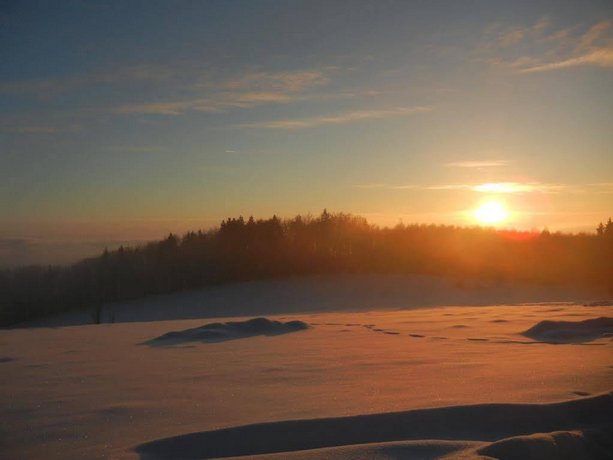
<point x="241" y="250"/>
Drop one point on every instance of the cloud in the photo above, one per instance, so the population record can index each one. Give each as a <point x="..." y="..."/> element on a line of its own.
<point x="593" y="35"/>
<point x="477" y="164"/>
<point x="561" y="36"/>
<point x="247" y="91"/>
<point x="601" y="187"/>
<point x="389" y="186"/>
<point x="137" y="148"/>
<point x="159" y="108"/>
<point x="504" y="187"/>
<point x="500" y="187"/>
<point x="541" y="24"/>
<point x="524" y="62"/>
<point x="413" y="186"/>
<point x="516" y="34"/>
<point x="560" y="49"/>
<point x="512" y="37"/>
<point x="602" y="57"/>
<point x="218" y="103"/>
<point x="30" y="129"/>
<point x="448" y="187"/>
<point x="339" y="119"/>
<point x="43" y="87"/>
<point x="204" y="92"/>
<point x="592" y="48"/>
<point x="517" y="187"/>
<point x="286" y="82"/>
<point x="539" y="187"/>
<point x="31" y="126"/>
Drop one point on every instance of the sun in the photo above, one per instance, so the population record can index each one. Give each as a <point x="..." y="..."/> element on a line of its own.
<point x="491" y="213"/>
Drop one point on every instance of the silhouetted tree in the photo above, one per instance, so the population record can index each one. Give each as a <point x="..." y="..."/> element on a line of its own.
<point x="605" y="230"/>
<point x="328" y="243"/>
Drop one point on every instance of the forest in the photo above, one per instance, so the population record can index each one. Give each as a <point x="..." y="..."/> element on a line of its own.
<point x="241" y="250"/>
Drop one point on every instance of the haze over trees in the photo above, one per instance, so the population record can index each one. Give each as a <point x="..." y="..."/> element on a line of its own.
<point x="241" y="250"/>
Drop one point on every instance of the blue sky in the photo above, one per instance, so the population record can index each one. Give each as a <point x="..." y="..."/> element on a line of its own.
<point x="123" y="121"/>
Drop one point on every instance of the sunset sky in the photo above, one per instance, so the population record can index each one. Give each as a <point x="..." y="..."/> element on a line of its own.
<point x="123" y="121"/>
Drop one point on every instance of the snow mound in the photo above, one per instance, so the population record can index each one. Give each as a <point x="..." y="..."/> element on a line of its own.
<point x="505" y="431"/>
<point x="221" y="332"/>
<point x="558" y="445"/>
<point x="571" y="331"/>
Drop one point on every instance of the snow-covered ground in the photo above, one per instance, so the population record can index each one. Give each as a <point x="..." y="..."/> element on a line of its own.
<point x="112" y="391"/>
<point x="323" y="293"/>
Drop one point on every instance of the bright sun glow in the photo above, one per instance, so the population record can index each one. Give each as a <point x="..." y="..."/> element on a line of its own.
<point x="491" y="212"/>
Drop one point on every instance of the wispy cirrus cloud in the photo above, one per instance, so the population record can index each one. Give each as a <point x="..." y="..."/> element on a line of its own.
<point x="250" y="90"/>
<point x="339" y="119"/>
<point x="217" y="103"/>
<point x="602" y="187"/>
<point x="477" y="164"/>
<point x="30" y="129"/>
<point x="287" y="82"/>
<point x="602" y="57"/>
<point x="570" y="47"/>
<point x="202" y="90"/>
<point x="593" y="47"/>
<point x="44" y="87"/>
<point x="594" y="35"/>
<point x="512" y="36"/>
<point x="501" y="187"/>
<point x="502" y="36"/>
<point x="389" y="186"/>
<point x="137" y="148"/>
<point x="518" y="187"/>
<point x="14" y="125"/>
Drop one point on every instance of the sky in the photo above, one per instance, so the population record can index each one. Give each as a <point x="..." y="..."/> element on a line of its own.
<point x="122" y="121"/>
